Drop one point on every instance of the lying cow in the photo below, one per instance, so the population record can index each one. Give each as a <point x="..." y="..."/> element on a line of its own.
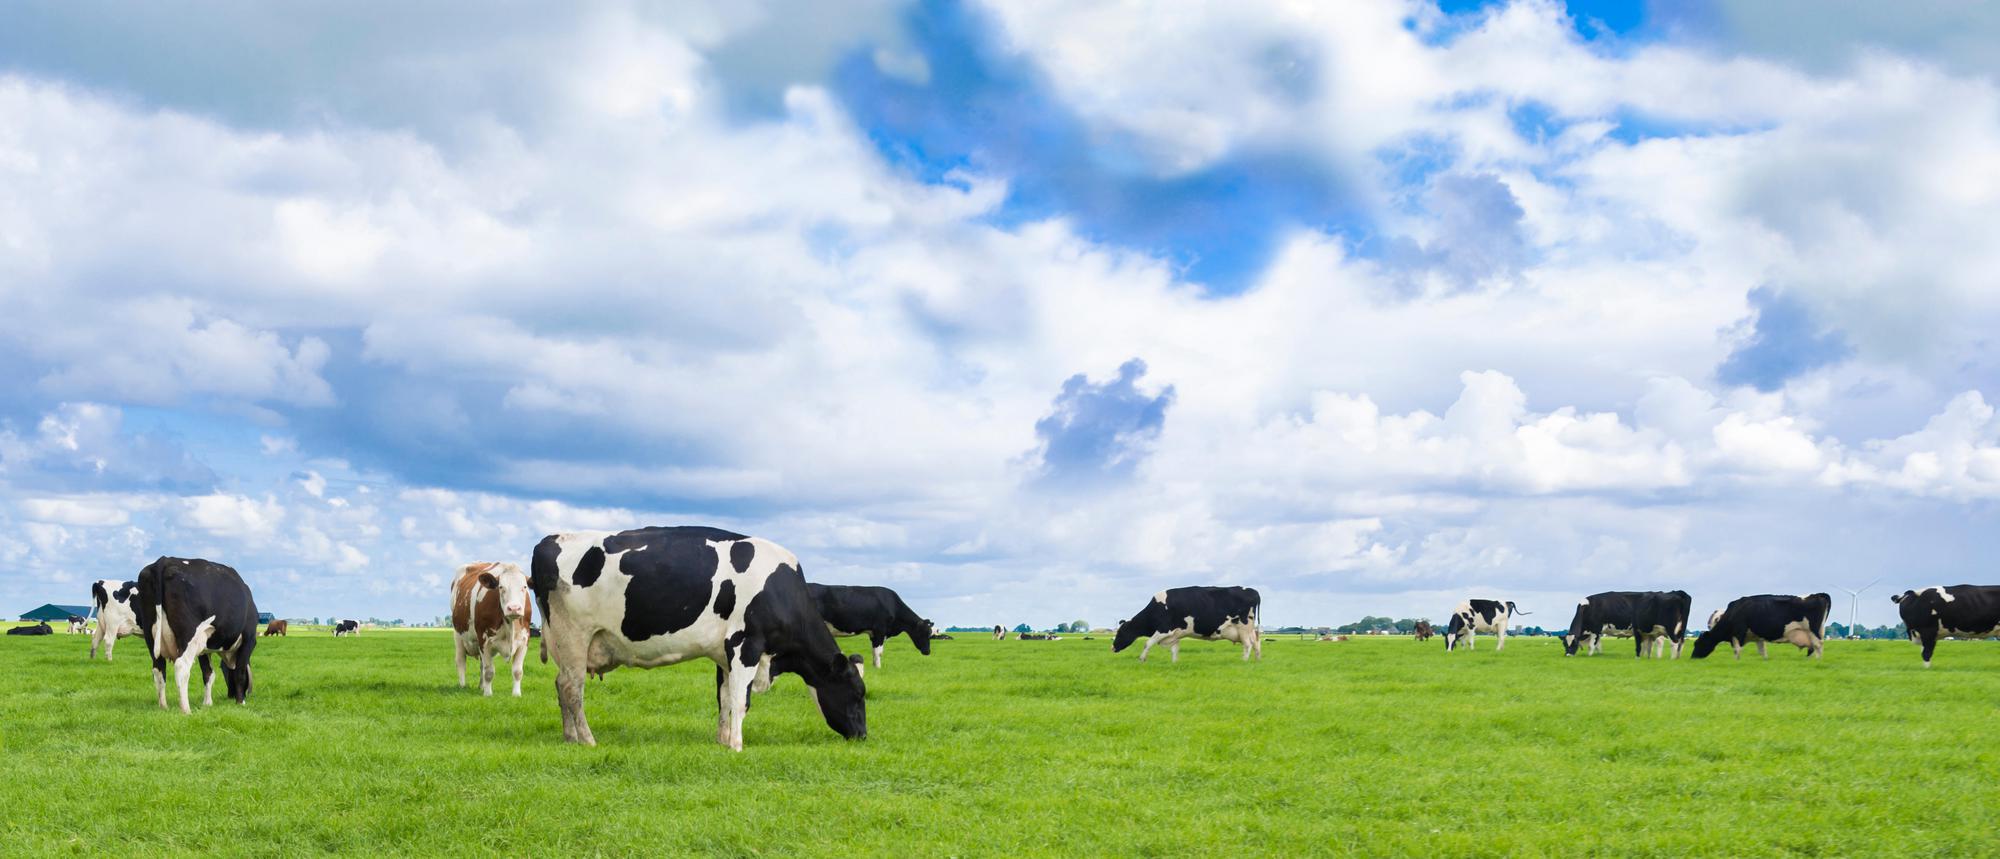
<point x="1423" y="630"/>
<point x="658" y="596"/>
<point x="875" y="611"/>
<point x="1654" y="618"/>
<point x="346" y="627"/>
<point x="1476" y="616"/>
<point x="489" y="616"/>
<point x="278" y="627"/>
<point x="1205" y="613"/>
<point x="188" y="607"/>
<point x="1959" y="611"/>
<point x="1764" y="618"/>
<point x="115" y="617"/>
<point x="37" y="629"/>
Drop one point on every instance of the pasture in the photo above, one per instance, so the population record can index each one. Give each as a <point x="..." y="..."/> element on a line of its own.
<point x="1374" y="746"/>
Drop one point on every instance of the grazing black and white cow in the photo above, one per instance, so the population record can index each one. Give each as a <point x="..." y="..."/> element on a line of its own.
<point x="346" y="627"/>
<point x="42" y="628"/>
<point x="1959" y="611"/>
<point x="77" y="624"/>
<point x="1476" y="616"/>
<point x="1654" y="618"/>
<point x="1764" y="618"/>
<point x="115" y="617"/>
<point x="1206" y="613"/>
<point x="999" y="632"/>
<point x="874" y="611"/>
<point x="188" y="607"/>
<point x="658" y="596"/>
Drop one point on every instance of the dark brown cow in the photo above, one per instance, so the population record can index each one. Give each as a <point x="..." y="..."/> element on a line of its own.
<point x="490" y="615"/>
<point x="1424" y="630"/>
<point x="277" y="627"/>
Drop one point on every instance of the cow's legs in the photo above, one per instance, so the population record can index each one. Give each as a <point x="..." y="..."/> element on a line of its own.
<point x="1174" y="650"/>
<point x="1151" y="640"/>
<point x="110" y="641"/>
<point x="1257" y="642"/>
<point x="1677" y="645"/>
<point x="458" y="653"/>
<point x="1761" y="652"/>
<point x="97" y="638"/>
<point x="1928" y="638"/>
<point x="1737" y="646"/>
<point x="160" y="679"/>
<point x="486" y="671"/>
<point x="1502" y="635"/>
<point x="520" y="659"/>
<point x="196" y="643"/>
<point x="733" y="690"/>
<point x="875" y="640"/>
<point x="207" y="682"/>
<point x="569" y="651"/>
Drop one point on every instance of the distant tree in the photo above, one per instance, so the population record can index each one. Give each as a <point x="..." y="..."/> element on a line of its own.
<point x="1024" y="628"/>
<point x="1079" y="626"/>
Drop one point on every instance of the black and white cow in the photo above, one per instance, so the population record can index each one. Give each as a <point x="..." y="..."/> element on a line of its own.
<point x="1206" y="613"/>
<point x="658" y="596"/>
<point x="1651" y="617"/>
<point x="1959" y="611"/>
<point x="188" y="607"/>
<point x="346" y="627"/>
<point x="115" y="617"/>
<point x="42" y="628"/>
<point x="874" y="611"/>
<point x="1476" y="616"/>
<point x="999" y="632"/>
<point x="1764" y="618"/>
<point x="77" y="624"/>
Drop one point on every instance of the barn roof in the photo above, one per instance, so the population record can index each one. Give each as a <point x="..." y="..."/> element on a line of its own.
<point x="51" y="611"/>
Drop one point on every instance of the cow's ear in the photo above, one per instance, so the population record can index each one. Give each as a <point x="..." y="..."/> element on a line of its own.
<point x="491" y="583"/>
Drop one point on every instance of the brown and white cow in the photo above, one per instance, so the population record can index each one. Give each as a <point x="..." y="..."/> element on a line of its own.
<point x="490" y="618"/>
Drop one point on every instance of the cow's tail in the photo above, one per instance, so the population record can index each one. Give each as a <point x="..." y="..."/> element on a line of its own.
<point x="1515" y="610"/>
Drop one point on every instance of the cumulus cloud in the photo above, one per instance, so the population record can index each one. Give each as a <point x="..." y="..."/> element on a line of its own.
<point x="1100" y="430"/>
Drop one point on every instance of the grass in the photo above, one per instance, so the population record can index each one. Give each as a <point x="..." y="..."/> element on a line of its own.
<point x="1365" y="747"/>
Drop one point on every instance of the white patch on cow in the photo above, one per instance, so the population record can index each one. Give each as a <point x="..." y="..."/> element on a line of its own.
<point x="878" y="656"/>
<point x="196" y="643"/>
<point x="1941" y="592"/>
<point x="1160" y="598"/>
<point x="1583" y="602"/>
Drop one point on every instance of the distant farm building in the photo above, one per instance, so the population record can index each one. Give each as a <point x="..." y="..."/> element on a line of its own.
<point x="51" y="612"/>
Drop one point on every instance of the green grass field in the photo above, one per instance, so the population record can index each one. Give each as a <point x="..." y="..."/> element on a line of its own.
<point x="1367" y="747"/>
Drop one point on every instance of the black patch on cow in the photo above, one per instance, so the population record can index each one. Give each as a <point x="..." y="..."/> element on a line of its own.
<point x="741" y="554"/>
<point x="588" y="568"/>
<point x="669" y="581"/>
<point x="725" y="598"/>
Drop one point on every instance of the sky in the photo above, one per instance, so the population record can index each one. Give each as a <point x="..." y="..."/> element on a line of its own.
<point x="1025" y="309"/>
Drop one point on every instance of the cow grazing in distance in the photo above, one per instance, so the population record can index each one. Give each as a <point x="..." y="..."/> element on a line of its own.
<point x="999" y="633"/>
<point x="1764" y="618"/>
<point x="189" y="607"/>
<point x="1476" y="616"/>
<point x="875" y="611"/>
<point x="1652" y="618"/>
<point x="658" y="596"/>
<point x="1958" y="611"/>
<point x="77" y="624"/>
<point x="38" y="629"/>
<point x="1423" y="630"/>
<point x="277" y="627"/>
<point x="489" y="618"/>
<point x="346" y="627"/>
<point x="115" y="617"/>
<point x="1206" y="613"/>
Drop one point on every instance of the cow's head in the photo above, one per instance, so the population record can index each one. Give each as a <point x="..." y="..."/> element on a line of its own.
<point x="1456" y="628"/>
<point x="842" y="699"/>
<point x="1128" y="632"/>
<point x="920" y="635"/>
<point x="1706" y="643"/>
<point x="512" y="586"/>
<point x="1570" y="642"/>
<point x="1918" y="610"/>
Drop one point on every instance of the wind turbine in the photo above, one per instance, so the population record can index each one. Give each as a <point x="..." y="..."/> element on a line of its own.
<point x="1853" y="601"/>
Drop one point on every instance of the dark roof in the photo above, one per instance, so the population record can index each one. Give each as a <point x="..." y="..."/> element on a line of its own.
<point x="265" y="617"/>
<point x="51" y="611"/>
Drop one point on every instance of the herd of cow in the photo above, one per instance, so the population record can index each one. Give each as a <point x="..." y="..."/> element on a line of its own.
<point x="658" y="596"/>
